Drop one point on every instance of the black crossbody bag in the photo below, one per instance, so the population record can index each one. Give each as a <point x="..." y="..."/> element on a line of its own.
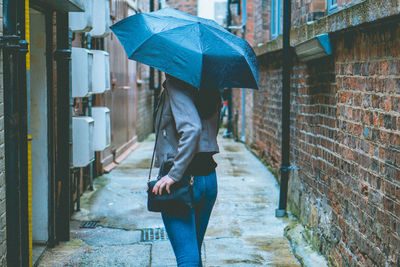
<point x="180" y="200"/>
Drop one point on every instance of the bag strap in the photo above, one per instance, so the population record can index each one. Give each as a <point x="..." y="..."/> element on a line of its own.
<point x="162" y="98"/>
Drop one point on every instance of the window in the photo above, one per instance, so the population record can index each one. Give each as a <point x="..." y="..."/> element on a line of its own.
<point x="332" y="6"/>
<point x="276" y="27"/>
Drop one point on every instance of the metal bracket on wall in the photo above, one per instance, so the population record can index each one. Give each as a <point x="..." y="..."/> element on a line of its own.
<point x="289" y="168"/>
<point x="10" y="42"/>
<point x="23" y="46"/>
<point x="62" y="54"/>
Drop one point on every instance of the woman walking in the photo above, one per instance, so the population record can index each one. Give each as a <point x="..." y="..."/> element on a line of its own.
<point x="187" y="141"/>
<point x="205" y="57"/>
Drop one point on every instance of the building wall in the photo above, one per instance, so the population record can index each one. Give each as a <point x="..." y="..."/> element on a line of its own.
<point x="345" y="140"/>
<point x="189" y="6"/>
<point x="345" y="133"/>
<point x="309" y="10"/>
<point x="145" y="96"/>
<point x="144" y="107"/>
<point x="3" y="244"/>
<point x="130" y="100"/>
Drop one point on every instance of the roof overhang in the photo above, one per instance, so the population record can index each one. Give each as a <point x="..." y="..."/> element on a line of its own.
<point x="64" y="5"/>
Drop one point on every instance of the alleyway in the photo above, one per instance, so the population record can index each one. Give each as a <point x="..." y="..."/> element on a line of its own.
<point x="242" y="232"/>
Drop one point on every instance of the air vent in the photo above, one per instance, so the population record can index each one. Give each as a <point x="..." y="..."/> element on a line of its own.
<point x="89" y="224"/>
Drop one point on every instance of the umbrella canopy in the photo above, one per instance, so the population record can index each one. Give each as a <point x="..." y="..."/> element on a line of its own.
<point x="195" y="50"/>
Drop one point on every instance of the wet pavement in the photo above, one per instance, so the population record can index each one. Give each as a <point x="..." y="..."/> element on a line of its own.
<point x="243" y="230"/>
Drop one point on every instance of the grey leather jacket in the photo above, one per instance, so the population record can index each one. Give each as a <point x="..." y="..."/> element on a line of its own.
<point x="182" y="132"/>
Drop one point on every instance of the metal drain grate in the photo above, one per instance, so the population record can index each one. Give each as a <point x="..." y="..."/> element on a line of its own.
<point x="89" y="224"/>
<point x="154" y="234"/>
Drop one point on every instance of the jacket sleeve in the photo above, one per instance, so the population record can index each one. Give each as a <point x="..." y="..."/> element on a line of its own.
<point x="188" y="126"/>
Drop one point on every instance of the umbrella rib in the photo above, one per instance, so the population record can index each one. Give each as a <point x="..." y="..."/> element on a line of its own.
<point x="202" y="52"/>
<point x="235" y="47"/>
<point x="145" y="41"/>
<point x="192" y="18"/>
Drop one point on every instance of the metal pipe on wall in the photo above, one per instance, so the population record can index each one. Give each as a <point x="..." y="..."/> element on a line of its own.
<point x="243" y="131"/>
<point x="285" y="147"/>
<point x="151" y="74"/>
<point x="228" y="132"/>
<point x="14" y="49"/>
<point x="64" y="114"/>
<point x="89" y="113"/>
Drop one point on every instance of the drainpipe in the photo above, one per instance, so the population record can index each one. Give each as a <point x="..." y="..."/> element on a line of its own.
<point x="64" y="114"/>
<point x="243" y="95"/>
<point x="14" y="48"/>
<point x="228" y="132"/>
<point x="91" y="165"/>
<point x="243" y="132"/>
<point x="151" y="74"/>
<point x="285" y="147"/>
<point x="88" y="41"/>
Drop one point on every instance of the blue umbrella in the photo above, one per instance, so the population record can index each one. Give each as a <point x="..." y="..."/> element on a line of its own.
<point x="195" y="50"/>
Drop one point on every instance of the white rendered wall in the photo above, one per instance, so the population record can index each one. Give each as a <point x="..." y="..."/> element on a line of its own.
<point x="39" y="128"/>
<point x="206" y="8"/>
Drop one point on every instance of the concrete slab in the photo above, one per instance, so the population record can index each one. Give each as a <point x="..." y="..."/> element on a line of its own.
<point x="62" y="252"/>
<point x="131" y="255"/>
<point x="100" y="237"/>
<point x="162" y="254"/>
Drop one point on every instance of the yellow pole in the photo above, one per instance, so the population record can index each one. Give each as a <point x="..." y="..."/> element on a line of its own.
<point x="27" y="35"/>
<point x="30" y="196"/>
<point x="28" y="68"/>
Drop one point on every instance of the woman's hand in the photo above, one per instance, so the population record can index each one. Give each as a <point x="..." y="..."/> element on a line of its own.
<point x="164" y="182"/>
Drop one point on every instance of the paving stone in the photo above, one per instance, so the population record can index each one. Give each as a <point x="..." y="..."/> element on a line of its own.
<point x="132" y="255"/>
<point x="101" y="237"/>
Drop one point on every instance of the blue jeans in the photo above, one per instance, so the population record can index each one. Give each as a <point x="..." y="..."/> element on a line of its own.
<point x="186" y="232"/>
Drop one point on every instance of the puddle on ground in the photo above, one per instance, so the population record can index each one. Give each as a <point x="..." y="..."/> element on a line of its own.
<point x="269" y="244"/>
<point x="235" y="158"/>
<point x="260" y="200"/>
<point x="100" y="182"/>
<point x="143" y="164"/>
<point x="248" y="261"/>
<point x="239" y="172"/>
<point x="231" y="148"/>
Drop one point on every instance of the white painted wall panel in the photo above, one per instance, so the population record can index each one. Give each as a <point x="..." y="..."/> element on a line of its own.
<point x="39" y="129"/>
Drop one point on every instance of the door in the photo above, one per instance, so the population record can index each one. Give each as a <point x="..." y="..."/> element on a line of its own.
<point x="39" y="131"/>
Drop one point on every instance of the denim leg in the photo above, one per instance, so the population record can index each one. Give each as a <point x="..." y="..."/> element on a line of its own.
<point x="181" y="231"/>
<point x="186" y="232"/>
<point x="204" y="207"/>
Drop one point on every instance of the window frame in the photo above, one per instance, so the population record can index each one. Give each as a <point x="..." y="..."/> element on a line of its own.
<point x="332" y="7"/>
<point x="276" y="22"/>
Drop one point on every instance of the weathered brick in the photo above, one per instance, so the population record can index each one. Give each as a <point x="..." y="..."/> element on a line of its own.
<point x="345" y="138"/>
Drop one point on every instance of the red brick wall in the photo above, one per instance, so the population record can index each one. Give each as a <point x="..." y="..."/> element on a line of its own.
<point x="307" y="10"/>
<point x="258" y="16"/>
<point x="345" y="140"/>
<point x="368" y="96"/>
<point x="346" y="3"/>
<point x="189" y="6"/>
<point x="267" y="110"/>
